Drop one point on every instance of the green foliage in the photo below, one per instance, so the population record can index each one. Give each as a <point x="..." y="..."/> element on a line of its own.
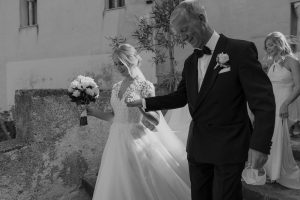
<point x="170" y="81"/>
<point x="116" y="41"/>
<point x="155" y="34"/>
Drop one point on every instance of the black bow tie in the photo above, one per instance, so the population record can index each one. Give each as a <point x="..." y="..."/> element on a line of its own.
<point x="201" y="52"/>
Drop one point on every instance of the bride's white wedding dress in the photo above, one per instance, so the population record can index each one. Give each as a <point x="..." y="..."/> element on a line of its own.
<point x="179" y="121"/>
<point x="281" y="166"/>
<point x="137" y="163"/>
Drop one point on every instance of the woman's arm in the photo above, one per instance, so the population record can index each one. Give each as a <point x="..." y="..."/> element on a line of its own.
<point x="294" y="66"/>
<point x="95" y="112"/>
<point x="148" y="90"/>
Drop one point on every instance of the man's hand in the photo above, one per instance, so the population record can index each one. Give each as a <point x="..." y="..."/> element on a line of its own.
<point x="135" y="103"/>
<point x="257" y="159"/>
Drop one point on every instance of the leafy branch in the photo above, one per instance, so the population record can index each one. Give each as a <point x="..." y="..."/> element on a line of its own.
<point x="116" y="41"/>
<point x="154" y="34"/>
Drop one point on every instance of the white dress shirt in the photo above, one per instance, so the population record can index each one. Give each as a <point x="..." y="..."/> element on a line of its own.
<point x="204" y="61"/>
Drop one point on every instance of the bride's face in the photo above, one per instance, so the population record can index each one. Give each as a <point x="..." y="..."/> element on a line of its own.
<point x="272" y="49"/>
<point x="121" y="68"/>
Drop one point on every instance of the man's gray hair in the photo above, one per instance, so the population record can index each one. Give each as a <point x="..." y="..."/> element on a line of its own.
<point x="188" y="8"/>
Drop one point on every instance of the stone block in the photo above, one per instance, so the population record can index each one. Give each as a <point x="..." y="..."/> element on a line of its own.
<point x="52" y="153"/>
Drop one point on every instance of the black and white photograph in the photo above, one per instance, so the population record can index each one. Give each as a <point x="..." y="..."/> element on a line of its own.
<point x="149" y="99"/>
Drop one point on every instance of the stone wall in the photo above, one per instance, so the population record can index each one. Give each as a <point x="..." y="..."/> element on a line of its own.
<point x="52" y="152"/>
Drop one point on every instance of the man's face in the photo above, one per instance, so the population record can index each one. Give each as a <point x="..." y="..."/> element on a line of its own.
<point x="191" y="30"/>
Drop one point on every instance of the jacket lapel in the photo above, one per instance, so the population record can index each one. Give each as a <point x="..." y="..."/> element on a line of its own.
<point x="211" y="73"/>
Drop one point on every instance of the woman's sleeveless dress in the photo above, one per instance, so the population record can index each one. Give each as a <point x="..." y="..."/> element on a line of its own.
<point x="281" y="166"/>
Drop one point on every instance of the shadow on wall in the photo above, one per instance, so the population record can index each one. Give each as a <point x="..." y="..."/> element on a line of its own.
<point x="7" y="125"/>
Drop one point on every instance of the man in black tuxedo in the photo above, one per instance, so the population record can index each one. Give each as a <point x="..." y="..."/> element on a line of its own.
<point x="218" y="80"/>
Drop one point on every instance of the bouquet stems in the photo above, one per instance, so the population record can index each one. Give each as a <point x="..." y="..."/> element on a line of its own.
<point x="83" y="118"/>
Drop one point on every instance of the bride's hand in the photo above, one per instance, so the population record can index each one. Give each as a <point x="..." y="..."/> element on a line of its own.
<point x="283" y="112"/>
<point x="135" y="103"/>
<point x="152" y="116"/>
<point x="91" y="109"/>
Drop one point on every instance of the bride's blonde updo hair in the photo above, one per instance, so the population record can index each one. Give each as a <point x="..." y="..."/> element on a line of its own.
<point x="280" y="41"/>
<point x="128" y="55"/>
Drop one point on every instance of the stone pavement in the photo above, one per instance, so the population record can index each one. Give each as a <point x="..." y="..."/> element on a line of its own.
<point x="269" y="191"/>
<point x="274" y="191"/>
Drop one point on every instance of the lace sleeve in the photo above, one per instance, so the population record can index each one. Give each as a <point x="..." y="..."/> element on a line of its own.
<point x="147" y="89"/>
<point x="115" y="87"/>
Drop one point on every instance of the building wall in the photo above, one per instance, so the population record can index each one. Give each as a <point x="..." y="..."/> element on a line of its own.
<point x="71" y="39"/>
<point x="52" y="152"/>
<point x="250" y="19"/>
<point x="72" y="35"/>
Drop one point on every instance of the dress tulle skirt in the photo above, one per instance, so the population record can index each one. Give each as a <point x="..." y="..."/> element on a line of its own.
<point x="136" y="166"/>
<point x="179" y="121"/>
<point x="281" y="165"/>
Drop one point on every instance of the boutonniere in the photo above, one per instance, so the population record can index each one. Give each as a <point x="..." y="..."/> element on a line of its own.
<point x="222" y="59"/>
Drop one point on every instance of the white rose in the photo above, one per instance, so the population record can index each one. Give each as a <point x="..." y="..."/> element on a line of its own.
<point x="70" y="89"/>
<point x="84" y="85"/>
<point x="79" y="78"/>
<point x="74" y="84"/>
<point x="88" y="83"/>
<point x="89" y="79"/>
<point x="96" y="91"/>
<point x="223" y="58"/>
<point x="76" y="93"/>
<point x="83" y="82"/>
<point x="93" y="84"/>
<point x="90" y="92"/>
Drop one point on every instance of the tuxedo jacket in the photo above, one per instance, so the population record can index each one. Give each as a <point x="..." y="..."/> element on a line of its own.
<point x="220" y="131"/>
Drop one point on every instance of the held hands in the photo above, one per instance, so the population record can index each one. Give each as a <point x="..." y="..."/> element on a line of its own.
<point x="135" y="103"/>
<point x="257" y="159"/>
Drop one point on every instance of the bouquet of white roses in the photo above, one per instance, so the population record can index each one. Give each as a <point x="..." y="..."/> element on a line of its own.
<point x="82" y="91"/>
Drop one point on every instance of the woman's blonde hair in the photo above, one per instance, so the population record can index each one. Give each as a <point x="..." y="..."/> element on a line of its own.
<point x="127" y="54"/>
<point x="280" y="41"/>
<point x="129" y="57"/>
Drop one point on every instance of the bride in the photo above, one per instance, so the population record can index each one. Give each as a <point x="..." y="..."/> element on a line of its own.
<point x="138" y="162"/>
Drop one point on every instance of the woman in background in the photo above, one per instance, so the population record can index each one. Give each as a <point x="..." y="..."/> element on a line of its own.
<point x="284" y="73"/>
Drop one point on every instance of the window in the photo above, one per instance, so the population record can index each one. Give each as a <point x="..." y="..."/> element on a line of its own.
<point x="28" y="13"/>
<point x="115" y="4"/>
